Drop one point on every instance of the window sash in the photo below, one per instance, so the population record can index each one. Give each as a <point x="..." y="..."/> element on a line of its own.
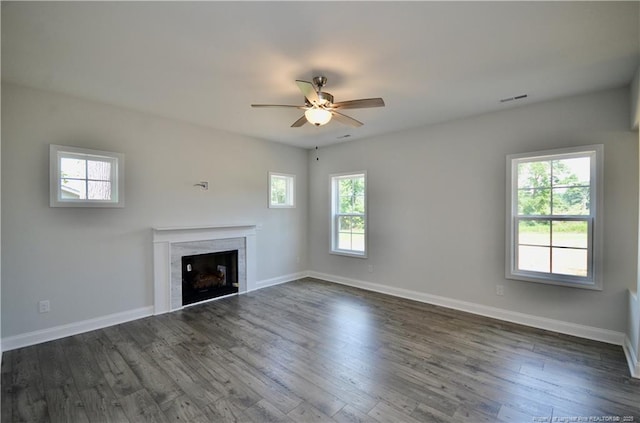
<point x="86" y="158"/>
<point x="589" y="278"/>
<point x="550" y="156"/>
<point x="351" y="232"/>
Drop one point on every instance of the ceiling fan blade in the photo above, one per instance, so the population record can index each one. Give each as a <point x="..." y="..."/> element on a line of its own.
<point x="278" y="105"/>
<point x="359" y="104"/>
<point x="308" y="91"/>
<point x="346" y="119"/>
<point x="298" y="123"/>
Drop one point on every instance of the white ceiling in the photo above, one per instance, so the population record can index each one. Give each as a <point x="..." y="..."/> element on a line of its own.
<point x="206" y="62"/>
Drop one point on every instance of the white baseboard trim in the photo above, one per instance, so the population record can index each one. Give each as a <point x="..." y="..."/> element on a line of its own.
<point x="280" y="279"/>
<point x="57" y="332"/>
<point x="588" y="332"/>
<point x="62" y="331"/>
<point x="581" y="331"/>
<point x="632" y="358"/>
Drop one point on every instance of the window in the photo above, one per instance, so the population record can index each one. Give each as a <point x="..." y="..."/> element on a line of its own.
<point x="349" y="214"/>
<point x="282" y="189"/>
<point x="80" y="177"/>
<point x="554" y="217"/>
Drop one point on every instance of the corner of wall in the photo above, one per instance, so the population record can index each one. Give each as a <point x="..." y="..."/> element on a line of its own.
<point x="635" y="100"/>
<point x="632" y="339"/>
<point x="0" y="228"/>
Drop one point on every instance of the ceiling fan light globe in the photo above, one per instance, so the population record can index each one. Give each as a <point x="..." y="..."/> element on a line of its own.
<point x="318" y="117"/>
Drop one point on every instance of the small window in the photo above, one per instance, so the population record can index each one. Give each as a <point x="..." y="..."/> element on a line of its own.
<point x="554" y="217"/>
<point x="282" y="189"/>
<point x="80" y="177"/>
<point x="349" y="214"/>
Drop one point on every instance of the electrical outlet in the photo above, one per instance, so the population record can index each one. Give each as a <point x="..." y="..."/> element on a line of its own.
<point x="370" y="268"/>
<point x="297" y="259"/>
<point x="44" y="306"/>
<point x="500" y="290"/>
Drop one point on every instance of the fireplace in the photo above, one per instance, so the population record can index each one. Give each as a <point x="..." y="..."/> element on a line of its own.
<point x="171" y="244"/>
<point x="208" y="276"/>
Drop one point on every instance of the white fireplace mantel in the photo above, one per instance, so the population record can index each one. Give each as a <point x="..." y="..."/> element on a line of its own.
<point x="163" y="238"/>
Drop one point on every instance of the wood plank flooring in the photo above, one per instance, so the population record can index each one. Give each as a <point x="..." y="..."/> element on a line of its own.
<point x="312" y="351"/>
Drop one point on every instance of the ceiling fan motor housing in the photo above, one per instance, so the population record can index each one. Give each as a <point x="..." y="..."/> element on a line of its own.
<point x="320" y="81"/>
<point x="325" y="98"/>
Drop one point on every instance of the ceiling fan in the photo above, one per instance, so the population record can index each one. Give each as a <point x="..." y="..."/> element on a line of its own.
<point x="319" y="106"/>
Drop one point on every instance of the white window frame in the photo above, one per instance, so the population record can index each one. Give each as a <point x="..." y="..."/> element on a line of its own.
<point x="58" y="152"/>
<point x="335" y="215"/>
<point x="290" y="195"/>
<point x="594" y="220"/>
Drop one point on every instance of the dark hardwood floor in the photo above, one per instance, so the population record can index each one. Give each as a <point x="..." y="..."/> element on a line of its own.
<point x="311" y="351"/>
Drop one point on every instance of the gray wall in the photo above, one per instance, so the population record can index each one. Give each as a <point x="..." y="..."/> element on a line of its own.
<point x="95" y="262"/>
<point x="635" y="100"/>
<point x="436" y="203"/>
<point x="633" y="324"/>
<point x="0" y="240"/>
<point x="437" y="206"/>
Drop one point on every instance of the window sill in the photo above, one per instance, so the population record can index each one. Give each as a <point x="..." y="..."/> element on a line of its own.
<point x="87" y="203"/>
<point x="348" y="254"/>
<point x="281" y="206"/>
<point x="550" y="281"/>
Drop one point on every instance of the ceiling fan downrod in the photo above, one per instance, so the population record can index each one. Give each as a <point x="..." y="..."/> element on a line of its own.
<point x="324" y="98"/>
<point x="320" y="81"/>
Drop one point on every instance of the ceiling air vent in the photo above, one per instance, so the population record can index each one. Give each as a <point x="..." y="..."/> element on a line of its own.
<point x="518" y="97"/>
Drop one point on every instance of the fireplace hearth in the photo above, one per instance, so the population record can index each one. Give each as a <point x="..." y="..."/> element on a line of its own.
<point x="208" y="276"/>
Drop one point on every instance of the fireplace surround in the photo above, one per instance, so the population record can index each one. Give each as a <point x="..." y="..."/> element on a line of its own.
<point x="171" y="244"/>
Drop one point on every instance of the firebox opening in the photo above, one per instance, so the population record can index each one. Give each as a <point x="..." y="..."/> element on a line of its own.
<point x="207" y="276"/>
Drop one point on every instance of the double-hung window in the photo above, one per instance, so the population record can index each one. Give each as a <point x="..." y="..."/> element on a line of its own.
<point x="349" y="214"/>
<point x="554" y="217"/>
<point x="81" y="177"/>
